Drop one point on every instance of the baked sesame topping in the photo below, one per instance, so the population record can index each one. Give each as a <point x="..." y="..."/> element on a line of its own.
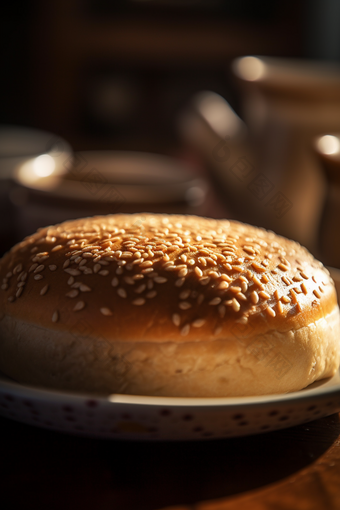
<point x="106" y="311"/>
<point x="185" y="330"/>
<point x="215" y="301"/>
<point x="138" y="302"/>
<point x="254" y="297"/>
<point x="79" y="306"/>
<point x="238" y="268"/>
<point x="72" y="293"/>
<point x="122" y="292"/>
<point x="44" y="290"/>
<point x="184" y="305"/>
<point x="160" y="279"/>
<point x="198" y="323"/>
<point x="55" y="316"/>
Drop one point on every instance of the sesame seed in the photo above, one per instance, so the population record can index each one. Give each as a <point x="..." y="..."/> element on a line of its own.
<point x="73" y="272"/>
<point x="257" y="282"/>
<point x="239" y="269"/>
<point x="4" y="286"/>
<point x="241" y="296"/>
<point x="84" y="288"/>
<point x="56" y="248"/>
<point x="72" y="293"/>
<point x="17" y="269"/>
<point x="304" y="288"/>
<point x="264" y="295"/>
<point x="38" y="277"/>
<point x="104" y="272"/>
<point x="55" y="316"/>
<point x="283" y="267"/>
<point x="235" y="290"/>
<point x="184" y="294"/>
<point x="258" y="268"/>
<point x="215" y="301"/>
<point x="254" y="297"/>
<point x="279" y="307"/>
<point x="105" y="311"/>
<point x="32" y="268"/>
<point x="221" y="310"/>
<point x="151" y="294"/>
<point x="316" y="294"/>
<point x="249" y="249"/>
<point x="138" y="302"/>
<point x="121" y="292"/>
<point x="119" y="270"/>
<point x="182" y="272"/>
<point x="70" y="281"/>
<point x="66" y="264"/>
<point x="146" y="263"/>
<point x="285" y="299"/>
<point x="200" y="299"/>
<point x="304" y="275"/>
<point x="39" y="268"/>
<point x="114" y="282"/>
<point x="204" y="280"/>
<point x="44" y="290"/>
<point x="52" y="267"/>
<point x="19" y="292"/>
<point x="294" y="297"/>
<point x="96" y="268"/>
<point x="191" y="262"/>
<point x="235" y="305"/>
<point x="198" y="271"/>
<point x="226" y="278"/>
<point x="79" y="306"/>
<point x="179" y="282"/>
<point x="160" y="279"/>
<point x="198" y="323"/>
<point x="222" y="286"/>
<point x="176" y="319"/>
<point x="140" y="289"/>
<point x="184" y="305"/>
<point x="185" y="330"/>
<point x="270" y="311"/>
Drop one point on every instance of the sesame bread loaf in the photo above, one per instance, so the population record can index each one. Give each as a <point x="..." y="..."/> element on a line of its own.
<point x="166" y="305"/>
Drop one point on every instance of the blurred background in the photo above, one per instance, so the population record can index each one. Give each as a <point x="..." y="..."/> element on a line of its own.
<point x="211" y="107"/>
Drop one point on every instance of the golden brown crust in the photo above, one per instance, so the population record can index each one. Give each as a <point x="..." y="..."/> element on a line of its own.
<point x="150" y="277"/>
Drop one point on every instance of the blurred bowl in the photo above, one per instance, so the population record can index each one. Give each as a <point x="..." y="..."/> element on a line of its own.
<point x="44" y="151"/>
<point x="104" y="183"/>
<point x="40" y="153"/>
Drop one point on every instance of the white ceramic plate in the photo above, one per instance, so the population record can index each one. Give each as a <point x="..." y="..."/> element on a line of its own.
<point x="158" y="418"/>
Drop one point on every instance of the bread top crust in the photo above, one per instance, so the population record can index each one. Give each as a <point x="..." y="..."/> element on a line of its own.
<point x="159" y="278"/>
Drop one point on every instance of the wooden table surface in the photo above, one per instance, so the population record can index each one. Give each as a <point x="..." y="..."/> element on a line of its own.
<point x="297" y="468"/>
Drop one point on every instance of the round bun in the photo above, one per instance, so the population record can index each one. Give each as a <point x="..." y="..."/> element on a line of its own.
<point x="166" y="305"/>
